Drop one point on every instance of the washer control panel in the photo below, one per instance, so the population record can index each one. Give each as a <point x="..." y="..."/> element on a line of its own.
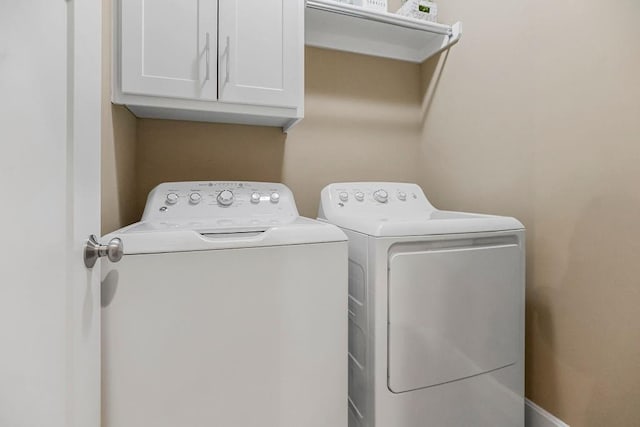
<point x="362" y="198"/>
<point x="224" y="203"/>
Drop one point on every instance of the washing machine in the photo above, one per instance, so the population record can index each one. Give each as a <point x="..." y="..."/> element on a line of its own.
<point x="436" y="310"/>
<point x="227" y="309"/>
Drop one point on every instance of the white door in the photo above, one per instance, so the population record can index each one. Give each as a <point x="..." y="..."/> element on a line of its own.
<point x="169" y="48"/>
<point x="49" y="170"/>
<point x="261" y="52"/>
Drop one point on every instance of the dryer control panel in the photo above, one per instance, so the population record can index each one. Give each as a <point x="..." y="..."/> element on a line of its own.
<point x="384" y="209"/>
<point x="222" y="203"/>
<point x="363" y="198"/>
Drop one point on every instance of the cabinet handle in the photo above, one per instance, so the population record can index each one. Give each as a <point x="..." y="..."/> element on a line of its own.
<point x="208" y="55"/>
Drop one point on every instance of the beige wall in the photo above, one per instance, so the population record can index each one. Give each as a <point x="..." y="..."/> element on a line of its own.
<point x="360" y="124"/>
<point x="537" y="115"/>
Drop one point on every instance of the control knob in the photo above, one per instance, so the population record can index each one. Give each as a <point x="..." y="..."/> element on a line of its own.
<point x="344" y="196"/>
<point x="195" y="198"/>
<point x="381" y="196"/>
<point x="275" y="197"/>
<point x="172" y="198"/>
<point x="402" y="195"/>
<point x="225" y="198"/>
<point x="255" y="197"/>
<point x="359" y="196"/>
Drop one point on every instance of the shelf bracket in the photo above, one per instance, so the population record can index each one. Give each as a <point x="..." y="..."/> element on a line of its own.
<point x="454" y="37"/>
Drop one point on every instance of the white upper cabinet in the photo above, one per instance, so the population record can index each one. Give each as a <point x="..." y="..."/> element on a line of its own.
<point x="259" y="55"/>
<point x="173" y="58"/>
<point x="211" y="60"/>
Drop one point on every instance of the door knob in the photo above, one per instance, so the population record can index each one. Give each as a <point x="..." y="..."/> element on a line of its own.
<point x="93" y="250"/>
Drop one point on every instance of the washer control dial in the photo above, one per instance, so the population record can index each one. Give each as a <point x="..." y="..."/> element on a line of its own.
<point x="225" y="198"/>
<point x="381" y="196"/>
<point x="275" y="197"/>
<point x="194" y="198"/>
<point x="172" y="198"/>
<point x="344" y="196"/>
<point x="359" y="196"/>
<point x="402" y="195"/>
<point x="255" y="197"/>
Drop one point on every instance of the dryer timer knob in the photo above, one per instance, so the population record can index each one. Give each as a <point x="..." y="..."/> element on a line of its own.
<point x="225" y="198"/>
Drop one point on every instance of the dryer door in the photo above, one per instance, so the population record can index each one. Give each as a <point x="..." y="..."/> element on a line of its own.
<point x="453" y="313"/>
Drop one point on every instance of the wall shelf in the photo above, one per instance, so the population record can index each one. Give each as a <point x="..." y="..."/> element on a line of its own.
<point x="341" y="26"/>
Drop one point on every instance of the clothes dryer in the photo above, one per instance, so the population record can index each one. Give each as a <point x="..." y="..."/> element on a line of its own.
<point x="436" y="310"/>
<point x="228" y="309"/>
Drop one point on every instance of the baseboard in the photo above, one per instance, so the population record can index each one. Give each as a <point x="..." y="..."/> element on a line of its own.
<point x="535" y="416"/>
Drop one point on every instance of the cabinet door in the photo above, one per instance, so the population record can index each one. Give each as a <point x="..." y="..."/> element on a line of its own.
<point x="261" y="51"/>
<point x="168" y="48"/>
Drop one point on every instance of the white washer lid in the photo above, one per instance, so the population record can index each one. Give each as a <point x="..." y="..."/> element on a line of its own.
<point x="148" y="238"/>
<point x="362" y="207"/>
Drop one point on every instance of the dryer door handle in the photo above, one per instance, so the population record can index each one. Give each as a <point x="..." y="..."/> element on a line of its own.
<point x="114" y="250"/>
